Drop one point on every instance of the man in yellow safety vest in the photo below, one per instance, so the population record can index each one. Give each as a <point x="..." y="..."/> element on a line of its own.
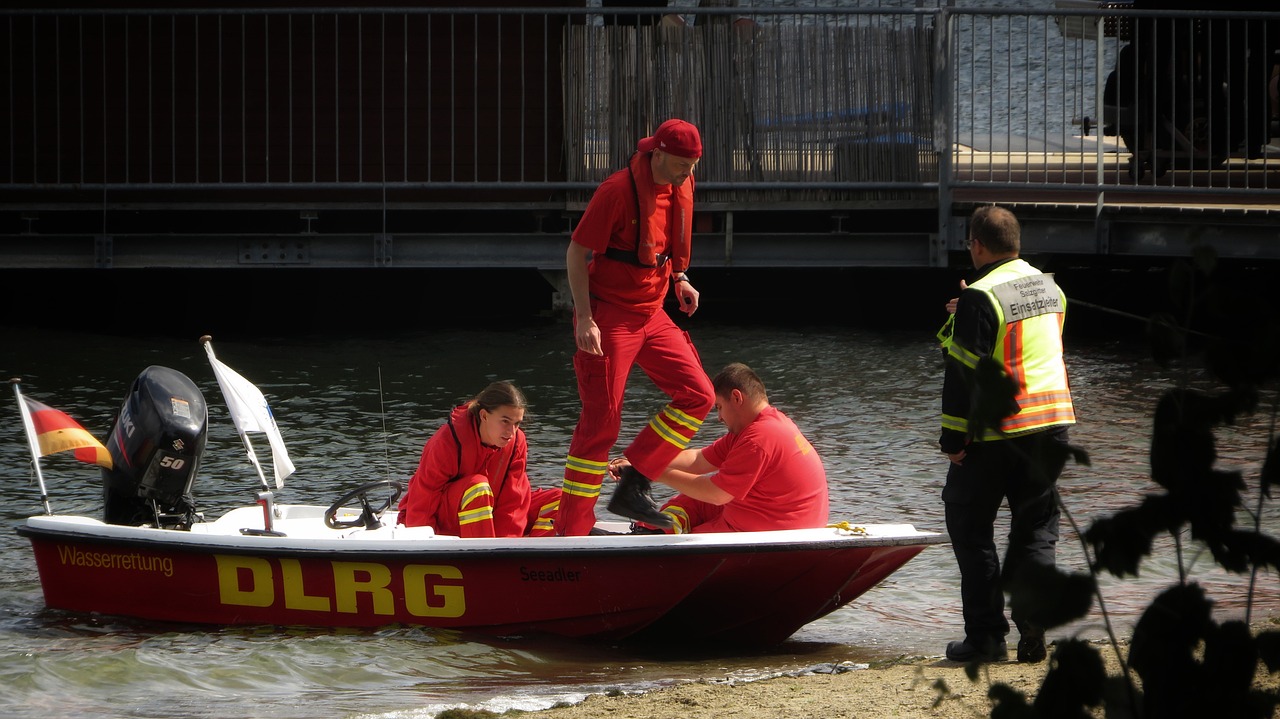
<point x="1011" y="313"/>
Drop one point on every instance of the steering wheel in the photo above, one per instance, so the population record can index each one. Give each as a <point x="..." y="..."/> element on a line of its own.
<point x="369" y="517"/>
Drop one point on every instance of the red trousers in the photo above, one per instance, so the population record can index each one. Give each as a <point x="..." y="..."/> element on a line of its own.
<point x="667" y="356"/>
<point x="694" y="516"/>
<point x="474" y="516"/>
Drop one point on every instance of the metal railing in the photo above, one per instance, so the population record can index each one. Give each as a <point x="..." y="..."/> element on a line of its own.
<point x="321" y="105"/>
<point x="1115" y="99"/>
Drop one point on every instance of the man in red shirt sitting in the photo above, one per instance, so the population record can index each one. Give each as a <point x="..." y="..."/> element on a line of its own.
<point x="762" y="475"/>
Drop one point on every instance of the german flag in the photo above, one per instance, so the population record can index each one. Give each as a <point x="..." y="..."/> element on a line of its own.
<point x="57" y="432"/>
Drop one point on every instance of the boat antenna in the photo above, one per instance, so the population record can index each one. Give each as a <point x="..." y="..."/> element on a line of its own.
<point x="382" y="408"/>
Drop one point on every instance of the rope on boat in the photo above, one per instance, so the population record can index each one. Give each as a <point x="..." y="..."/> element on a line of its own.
<point x="848" y="529"/>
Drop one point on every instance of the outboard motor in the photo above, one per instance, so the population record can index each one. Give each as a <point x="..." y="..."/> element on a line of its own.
<point x="156" y="444"/>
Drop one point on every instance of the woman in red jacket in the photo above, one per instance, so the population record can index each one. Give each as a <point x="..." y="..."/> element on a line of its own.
<point x="471" y="480"/>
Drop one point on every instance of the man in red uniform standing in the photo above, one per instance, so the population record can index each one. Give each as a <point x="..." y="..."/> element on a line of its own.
<point x="631" y="245"/>
<point x="763" y="475"/>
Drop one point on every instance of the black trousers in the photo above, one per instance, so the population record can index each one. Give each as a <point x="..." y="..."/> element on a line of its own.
<point x="1025" y="471"/>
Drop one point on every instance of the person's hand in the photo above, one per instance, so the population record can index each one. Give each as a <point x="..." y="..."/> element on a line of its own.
<point x="586" y="334"/>
<point x="956" y="457"/>
<point x="616" y="465"/>
<point x="951" y="304"/>
<point x="688" y="297"/>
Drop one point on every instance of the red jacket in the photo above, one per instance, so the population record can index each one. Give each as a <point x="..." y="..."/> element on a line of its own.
<point x="445" y="458"/>
<point x="610" y="221"/>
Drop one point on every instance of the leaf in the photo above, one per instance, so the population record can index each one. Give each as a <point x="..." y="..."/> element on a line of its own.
<point x="1210" y="504"/>
<point x="1182" y="283"/>
<point x="1182" y="444"/>
<point x="1047" y="597"/>
<point x="1268" y="644"/>
<point x="1169" y="631"/>
<point x="1204" y="258"/>
<point x="1120" y="541"/>
<point x="1076" y="679"/>
<point x="1242" y="550"/>
<point x="1164" y="647"/>
<point x="942" y="692"/>
<point x="1119" y="697"/>
<point x="1008" y="703"/>
<point x="992" y="397"/>
<point x="1230" y="658"/>
<point x="1166" y="339"/>
<point x="1079" y="455"/>
<point x="1271" y="469"/>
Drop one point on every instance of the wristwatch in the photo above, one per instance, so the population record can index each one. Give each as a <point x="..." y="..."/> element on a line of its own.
<point x="680" y="277"/>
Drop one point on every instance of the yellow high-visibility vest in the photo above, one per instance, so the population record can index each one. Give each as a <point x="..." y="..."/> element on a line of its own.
<point x="1030" y="309"/>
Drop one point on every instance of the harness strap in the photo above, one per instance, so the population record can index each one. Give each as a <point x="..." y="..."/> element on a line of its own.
<point x="632" y="257"/>
<point x="457" y="443"/>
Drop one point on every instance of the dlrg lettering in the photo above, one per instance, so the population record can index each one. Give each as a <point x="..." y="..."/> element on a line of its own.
<point x="430" y="590"/>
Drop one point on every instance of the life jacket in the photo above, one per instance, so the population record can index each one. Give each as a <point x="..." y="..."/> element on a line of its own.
<point x="642" y="248"/>
<point x="1029" y="309"/>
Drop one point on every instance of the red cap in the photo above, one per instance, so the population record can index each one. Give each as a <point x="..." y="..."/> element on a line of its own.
<point x="675" y="137"/>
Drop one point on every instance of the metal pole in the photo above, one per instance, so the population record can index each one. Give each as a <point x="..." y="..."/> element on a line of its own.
<point x="32" y="442"/>
<point x="1100" y="111"/>
<point x="943" y="102"/>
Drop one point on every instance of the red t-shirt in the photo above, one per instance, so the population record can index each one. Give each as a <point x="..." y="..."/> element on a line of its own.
<point x="774" y="474"/>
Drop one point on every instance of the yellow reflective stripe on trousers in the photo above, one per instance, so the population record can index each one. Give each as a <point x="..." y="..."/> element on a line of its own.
<point x="681" y="518"/>
<point x="479" y="514"/>
<point x="591" y="476"/>
<point x="478" y="490"/>
<point x="471" y="516"/>
<point x="667" y="433"/>
<point x="586" y="466"/>
<point x="692" y="423"/>
<point x="578" y="489"/>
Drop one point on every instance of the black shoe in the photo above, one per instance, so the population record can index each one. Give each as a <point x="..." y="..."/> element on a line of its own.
<point x="641" y="529"/>
<point x="968" y="651"/>
<point x="631" y="499"/>
<point x="1031" y="647"/>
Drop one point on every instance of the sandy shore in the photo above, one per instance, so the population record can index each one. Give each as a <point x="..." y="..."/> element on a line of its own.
<point x="919" y="688"/>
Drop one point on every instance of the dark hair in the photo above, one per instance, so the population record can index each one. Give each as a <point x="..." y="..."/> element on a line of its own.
<point x="740" y="377"/>
<point x="997" y="229"/>
<point x="497" y="394"/>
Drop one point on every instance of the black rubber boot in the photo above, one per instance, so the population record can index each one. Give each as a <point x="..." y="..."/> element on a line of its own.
<point x="631" y="499"/>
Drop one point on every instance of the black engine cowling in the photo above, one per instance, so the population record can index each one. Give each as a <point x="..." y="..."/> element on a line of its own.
<point x="156" y="444"/>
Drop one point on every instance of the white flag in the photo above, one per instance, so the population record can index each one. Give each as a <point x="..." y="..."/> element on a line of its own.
<point x="251" y="413"/>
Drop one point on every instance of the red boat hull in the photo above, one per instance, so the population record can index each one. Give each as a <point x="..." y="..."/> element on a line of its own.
<point x="653" y="589"/>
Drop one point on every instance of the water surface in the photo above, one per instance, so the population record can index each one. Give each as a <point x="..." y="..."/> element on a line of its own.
<point x="355" y="408"/>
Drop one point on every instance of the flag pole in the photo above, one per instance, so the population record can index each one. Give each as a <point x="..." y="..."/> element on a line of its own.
<point x="32" y="442"/>
<point x="207" y="341"/>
